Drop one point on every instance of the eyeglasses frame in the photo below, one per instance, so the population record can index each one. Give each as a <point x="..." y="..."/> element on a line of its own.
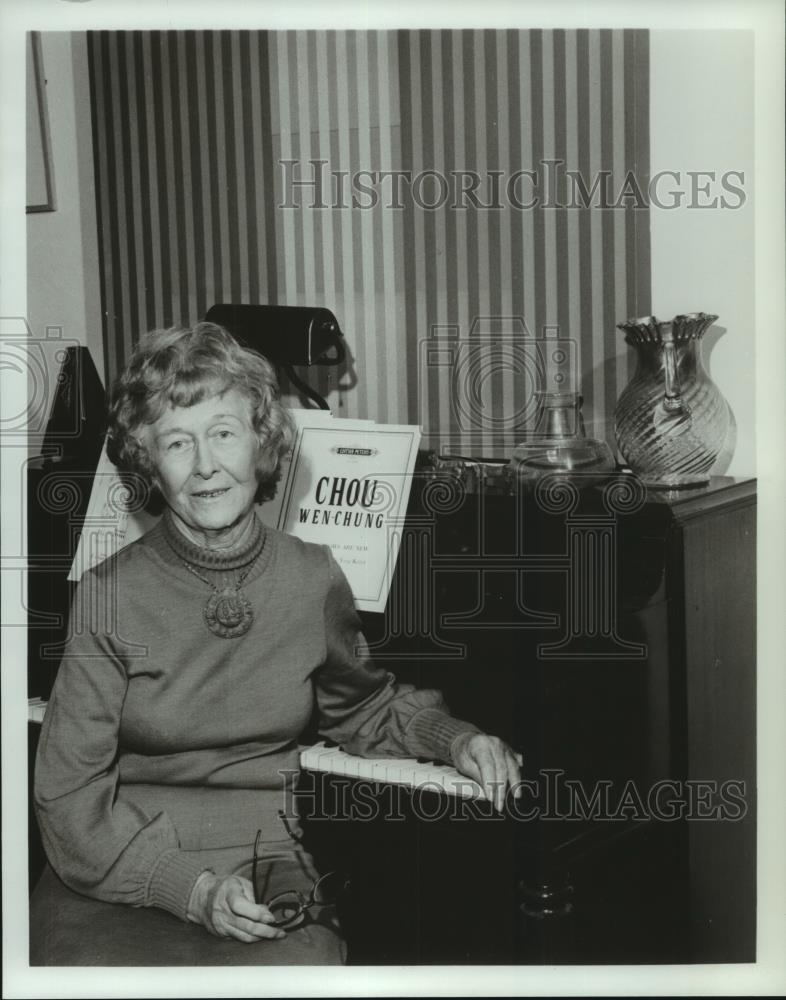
<point x="304" y="903"/>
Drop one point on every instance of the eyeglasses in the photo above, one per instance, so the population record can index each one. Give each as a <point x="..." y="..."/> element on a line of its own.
<point x="289" y="907"/>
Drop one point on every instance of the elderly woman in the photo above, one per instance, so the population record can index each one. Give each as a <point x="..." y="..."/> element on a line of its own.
<point x="195" y="658"/>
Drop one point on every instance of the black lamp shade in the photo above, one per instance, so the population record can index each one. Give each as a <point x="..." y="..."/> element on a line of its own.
<point x="286" y="335"/>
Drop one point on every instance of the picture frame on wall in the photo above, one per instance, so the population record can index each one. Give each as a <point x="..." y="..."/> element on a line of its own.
<point x="40" y="173"/>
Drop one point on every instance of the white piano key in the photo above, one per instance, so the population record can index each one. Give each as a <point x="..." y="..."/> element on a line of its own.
<point x="465" y="788"/>
<point x="407" y="772"/>
<point x="325" y="756"/>
<point x="393" y="773"/>
<point x="357" y="767"/>
<point x="320" y="758"/>
<point x="427" y="783"/>
<point x="330" y="760"/>
<point x="337" y="762"/>
<point x="439" y="772"/>
<point x="309" y="757"/>
<point x="380" y="770"/>
<point x="441" y="777"/>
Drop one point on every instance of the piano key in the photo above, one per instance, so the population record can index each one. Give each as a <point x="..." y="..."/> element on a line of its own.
<point x="464" y="787"/>
<point x="433" y="779"/>
<point x="340" y="763"/>
<point x="321" y="756"/>
<point x="380" y="770"/>
<point x="353" y="766"/>
<point x="402" y="772"/>
<point x="393" y="770"/>
<point x="408" y="774"/>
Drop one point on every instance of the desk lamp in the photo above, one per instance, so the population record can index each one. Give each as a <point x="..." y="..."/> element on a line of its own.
<point x="286" y="336"/>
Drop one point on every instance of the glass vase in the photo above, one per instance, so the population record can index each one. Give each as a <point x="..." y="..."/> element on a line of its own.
<point x="671" y="421"/>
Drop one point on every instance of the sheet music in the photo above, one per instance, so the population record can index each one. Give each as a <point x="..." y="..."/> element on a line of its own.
<point x="347" y="486"/>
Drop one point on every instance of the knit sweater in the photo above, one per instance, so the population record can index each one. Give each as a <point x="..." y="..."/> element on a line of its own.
<point x="161" y="736"/>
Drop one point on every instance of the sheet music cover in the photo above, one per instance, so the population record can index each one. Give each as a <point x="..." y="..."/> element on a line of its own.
<point x="348" y="487"/>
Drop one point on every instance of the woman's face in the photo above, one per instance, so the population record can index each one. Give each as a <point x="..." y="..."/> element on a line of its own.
<point x="205" y="460"/>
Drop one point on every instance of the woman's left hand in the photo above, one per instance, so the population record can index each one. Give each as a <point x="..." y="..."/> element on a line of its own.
<point x="490" y="762"/>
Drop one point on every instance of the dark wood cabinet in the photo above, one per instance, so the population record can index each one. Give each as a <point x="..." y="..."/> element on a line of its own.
<point x="610" y="638"/>
<point x="712" y="657"/>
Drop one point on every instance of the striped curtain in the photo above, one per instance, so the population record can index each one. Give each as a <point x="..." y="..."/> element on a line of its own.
<point x="181" y="124"/>
<point x="335" y="113"/>
<point x="461" y="200"/>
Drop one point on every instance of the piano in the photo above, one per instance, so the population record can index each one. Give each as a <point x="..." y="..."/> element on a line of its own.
<point x="657" y="692"/>
<point x="660" y="689"/>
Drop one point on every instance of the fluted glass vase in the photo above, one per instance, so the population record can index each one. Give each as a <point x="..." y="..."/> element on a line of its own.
<point x="671" y="421"/>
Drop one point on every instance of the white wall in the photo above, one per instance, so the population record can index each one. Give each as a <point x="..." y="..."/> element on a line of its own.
<point x="63" y="289"/>
<point x="701" y="107"/>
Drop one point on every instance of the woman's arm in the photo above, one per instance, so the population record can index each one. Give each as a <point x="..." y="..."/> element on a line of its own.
<point x="361" y="706"/>
<point x="99" y="846"/>
<point x="364" y="709"/>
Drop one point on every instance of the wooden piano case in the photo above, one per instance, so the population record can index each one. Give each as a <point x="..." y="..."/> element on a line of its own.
<point x="614" y="647"/>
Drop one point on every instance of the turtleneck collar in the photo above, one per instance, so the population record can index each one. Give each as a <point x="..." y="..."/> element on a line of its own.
<point x="213" y="559"/>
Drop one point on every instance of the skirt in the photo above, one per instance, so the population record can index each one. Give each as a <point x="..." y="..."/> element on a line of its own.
<point x="69" y="929"/>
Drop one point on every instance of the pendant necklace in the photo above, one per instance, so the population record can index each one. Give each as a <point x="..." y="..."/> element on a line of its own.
<point x="228" y="612"/>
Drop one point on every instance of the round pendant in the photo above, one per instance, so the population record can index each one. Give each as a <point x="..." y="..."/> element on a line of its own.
<point x="228" y="613"/>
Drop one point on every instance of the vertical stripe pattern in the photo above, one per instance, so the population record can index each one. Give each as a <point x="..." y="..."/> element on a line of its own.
<point x="453" y="196"/>
<point x="184" y="166"/>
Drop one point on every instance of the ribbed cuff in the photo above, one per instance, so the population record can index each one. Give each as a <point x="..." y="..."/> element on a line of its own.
<point x="431" y="733"/>
<point x="173" y="881"/>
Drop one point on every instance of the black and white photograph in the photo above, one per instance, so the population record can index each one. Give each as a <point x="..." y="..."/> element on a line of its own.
<point x="392" y="443"/>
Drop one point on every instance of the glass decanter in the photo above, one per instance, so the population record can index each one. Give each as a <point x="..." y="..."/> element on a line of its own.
<point x="558" y="444"/>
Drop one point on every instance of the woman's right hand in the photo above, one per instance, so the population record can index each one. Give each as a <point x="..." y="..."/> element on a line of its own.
<point x="225" y="906"/>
